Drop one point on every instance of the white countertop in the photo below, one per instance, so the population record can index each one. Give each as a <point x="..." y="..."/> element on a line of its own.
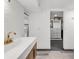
<point x="26" y="44"/>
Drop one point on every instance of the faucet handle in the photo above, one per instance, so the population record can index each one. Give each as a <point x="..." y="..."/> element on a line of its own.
<point x="14" y="33"/>
<point x="11" y="34"/>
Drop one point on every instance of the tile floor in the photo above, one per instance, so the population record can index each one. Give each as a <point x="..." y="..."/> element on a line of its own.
<point x="57" y="45"/>
<point x="55" y="55"/>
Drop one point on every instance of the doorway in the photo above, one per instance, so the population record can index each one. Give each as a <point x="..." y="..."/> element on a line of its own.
<point x="56" y="30"/>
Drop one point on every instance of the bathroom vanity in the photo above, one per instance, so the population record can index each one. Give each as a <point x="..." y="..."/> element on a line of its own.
<point x="32" y="53"/>
<point x="21" y="48"/>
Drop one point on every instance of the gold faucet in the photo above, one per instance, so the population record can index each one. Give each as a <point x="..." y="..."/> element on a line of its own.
<point x="9" y="39"/>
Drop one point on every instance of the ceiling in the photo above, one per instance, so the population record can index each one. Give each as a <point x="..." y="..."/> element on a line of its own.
<point x="29" y="4"/>
<point x="47" y="4"/>
<point x="56" y="4"/>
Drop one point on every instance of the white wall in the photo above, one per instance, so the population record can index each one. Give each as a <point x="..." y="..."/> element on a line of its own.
<point x="68" y="39"/>
<point x="14" y="17"/>
<point x="40" y="28"/>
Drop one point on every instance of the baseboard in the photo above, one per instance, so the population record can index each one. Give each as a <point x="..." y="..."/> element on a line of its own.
<point x="51" y="49"/>
<point x="43" y="49"/>
<point x="68" y="49"/>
